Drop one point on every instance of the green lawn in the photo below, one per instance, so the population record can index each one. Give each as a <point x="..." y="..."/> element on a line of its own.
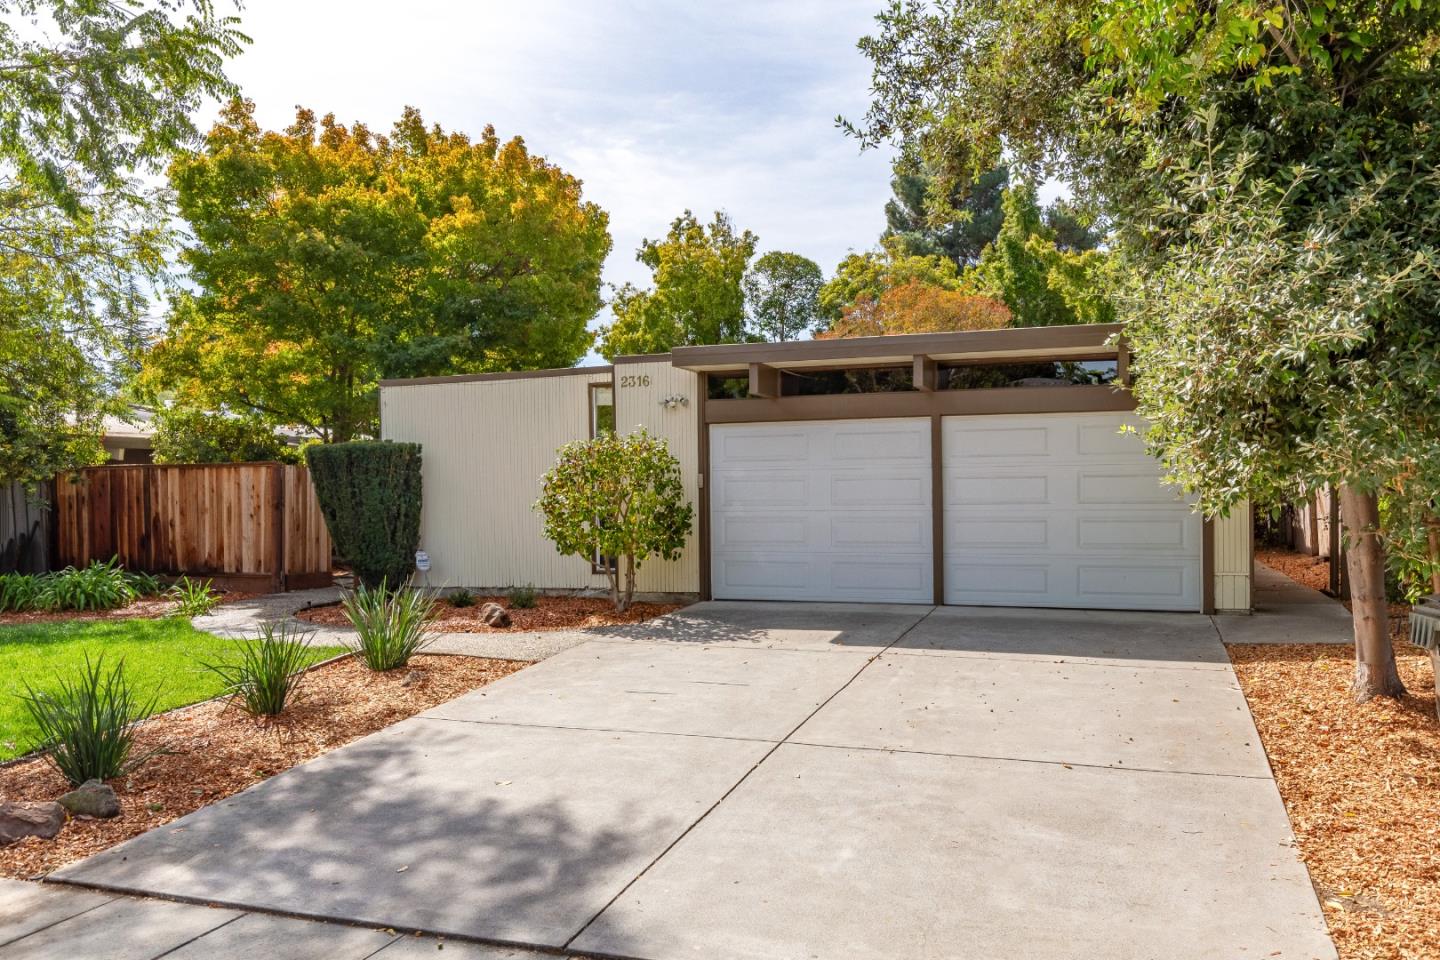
<point x="161" y="656"/>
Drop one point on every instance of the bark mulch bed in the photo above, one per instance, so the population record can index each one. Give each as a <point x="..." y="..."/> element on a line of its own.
<point x="1362" y="786"/>
<point x="549" y="613"/>
<point x="146" y="608"/>
<point x="1308" y="571"/>
<point x="213" y="751"/>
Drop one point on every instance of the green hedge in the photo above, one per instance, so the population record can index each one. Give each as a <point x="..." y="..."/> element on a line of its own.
<point x="370" y="494"/>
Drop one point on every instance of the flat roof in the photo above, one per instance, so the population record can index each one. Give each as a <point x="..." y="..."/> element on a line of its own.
<point x="1076" y="340"/>
<point x="1079" y="340"/>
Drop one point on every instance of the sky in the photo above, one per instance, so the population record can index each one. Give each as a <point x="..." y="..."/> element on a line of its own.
<point x="655" y="106"/>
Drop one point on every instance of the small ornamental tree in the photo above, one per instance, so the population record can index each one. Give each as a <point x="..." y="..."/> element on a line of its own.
<point x="369" y="492"/>
<point x="620" y="498"/>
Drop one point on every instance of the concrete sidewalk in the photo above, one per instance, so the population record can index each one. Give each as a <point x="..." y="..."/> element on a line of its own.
<point x="1287" y="612"/>
<point x="791" y="780"/>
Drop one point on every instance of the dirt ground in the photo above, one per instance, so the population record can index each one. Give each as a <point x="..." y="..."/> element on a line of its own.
<point x="212" y="750"/>
<point x="1361" y="784"/>
<point x="1313" y="572"/>
<point x="549" y="613"/>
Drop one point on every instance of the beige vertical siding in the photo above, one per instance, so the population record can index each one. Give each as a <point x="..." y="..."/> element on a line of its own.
<point x="639" y="389"/>
<point x="1233" y="548"/>
<point x="485" y="445"/>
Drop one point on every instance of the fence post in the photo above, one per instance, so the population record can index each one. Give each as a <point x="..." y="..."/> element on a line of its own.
<point x="279" y="478"/>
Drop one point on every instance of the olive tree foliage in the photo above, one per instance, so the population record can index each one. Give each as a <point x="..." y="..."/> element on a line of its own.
<point x="92" y="95"/>
<point x="1270" y="173"/>
<point x="617" y="497"/>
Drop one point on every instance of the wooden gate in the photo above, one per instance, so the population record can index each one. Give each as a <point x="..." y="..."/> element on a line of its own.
<point x="247" y="526"/>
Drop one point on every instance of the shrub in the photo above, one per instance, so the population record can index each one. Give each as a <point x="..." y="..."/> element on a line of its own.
<point x="145" y="584"/>
<point x="462" y="598"/>
<point x="100" y="586"/>
<point x="391" y="625"/>
<point x="369" y="492"/>
<point x="87" y="724"/>
<point x="198" y="436"/>
<point x="268" y="670"/>
<point x="19" y="592"/>
<point x="193" y="598"/>
<point x="522" y="598"/>
<point x="617" y="496"/>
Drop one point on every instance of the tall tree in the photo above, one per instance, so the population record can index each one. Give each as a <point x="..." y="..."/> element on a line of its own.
<point x="697" y="295"/>
<point x="326" y="257"/>
<point x="1271" y="172"/>
<point x="1042" y="285"/>
<point x="91" y="96"/>
<point x="959" y="225"/>
<point x="782" y="291"/>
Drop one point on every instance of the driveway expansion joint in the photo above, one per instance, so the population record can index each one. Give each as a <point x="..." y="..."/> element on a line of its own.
<point x="1067" y="764"/>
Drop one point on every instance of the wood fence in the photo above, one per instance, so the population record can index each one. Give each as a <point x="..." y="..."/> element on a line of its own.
<point x="247" y="526"/>
<point x="24" y="528"/>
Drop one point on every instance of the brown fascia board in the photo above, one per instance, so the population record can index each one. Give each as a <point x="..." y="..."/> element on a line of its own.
<point x="900" y="348"/>
<point x="514" y="375"/>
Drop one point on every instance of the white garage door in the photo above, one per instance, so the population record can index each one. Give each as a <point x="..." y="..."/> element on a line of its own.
<point x="824" y="510"/>
<point x="1063" y="510"/>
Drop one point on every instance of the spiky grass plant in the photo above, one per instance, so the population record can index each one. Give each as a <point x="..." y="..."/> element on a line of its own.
<point x="87" y="722"/>
<point x="268" y="669"/>
<point x="193" y="598"/>
<point x="391" y="626"/>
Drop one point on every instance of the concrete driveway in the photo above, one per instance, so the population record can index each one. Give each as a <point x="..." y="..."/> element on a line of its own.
<point x="793" y="781"/>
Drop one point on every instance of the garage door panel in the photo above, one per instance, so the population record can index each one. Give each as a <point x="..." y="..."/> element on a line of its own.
<point x="1135" y="485"/>
<point x="1132" y="534"/>
<point x="995" y="489"/>
<point x="861" y="529"/>
<point x="998" y="532"/>
<point x="860" y="490"/>
<point x="863" y="577"/>
<point x="996" y="581"/>
<point x="875" y="442"/>
<point x="892" y="533"/>
<point x="777" y="533"/>
<point x="764" y="576"/>
<point x="758" y="490"/>
<point x="988" y="443"/>
<point x="1152" y="582"/>
<point x="770" y="446"/>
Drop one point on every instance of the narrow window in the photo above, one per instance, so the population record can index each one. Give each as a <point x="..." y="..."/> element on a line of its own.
<point x="602" y="409"/>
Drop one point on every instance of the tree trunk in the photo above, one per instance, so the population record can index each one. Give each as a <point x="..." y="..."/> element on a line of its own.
<point x="1433" y="531"/>
<point x="612" y="574"/>
<point x="629" y="581"/>
<point x="1375" y="673"/>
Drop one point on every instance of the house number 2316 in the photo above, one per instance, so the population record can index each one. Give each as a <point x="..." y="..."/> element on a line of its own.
<point x="635" y="380"/>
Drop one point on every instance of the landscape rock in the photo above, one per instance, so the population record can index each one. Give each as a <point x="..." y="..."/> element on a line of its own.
<point x="92" y="799"/>
<point x="494" y="615"/>
<point x="21" y="820"/>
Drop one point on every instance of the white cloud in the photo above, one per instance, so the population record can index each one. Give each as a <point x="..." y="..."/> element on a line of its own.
<point x="655" y="106"/>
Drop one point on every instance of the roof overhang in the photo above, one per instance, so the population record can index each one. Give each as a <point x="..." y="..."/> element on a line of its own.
<point x="1018" y="343"/>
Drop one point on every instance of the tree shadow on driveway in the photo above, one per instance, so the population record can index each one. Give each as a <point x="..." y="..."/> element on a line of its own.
<point x="510" y="834"/>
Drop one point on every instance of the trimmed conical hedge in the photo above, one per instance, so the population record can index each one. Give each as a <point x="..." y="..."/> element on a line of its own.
<point x="369" y="491"/>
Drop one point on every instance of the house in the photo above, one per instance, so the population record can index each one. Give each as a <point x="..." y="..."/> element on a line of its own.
<point x="129" y="439"/>
<point x="998" y="467"/>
